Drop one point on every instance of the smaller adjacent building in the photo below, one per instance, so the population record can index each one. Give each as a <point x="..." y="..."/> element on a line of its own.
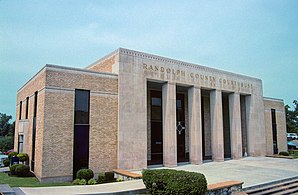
<point x="130" y="110"/>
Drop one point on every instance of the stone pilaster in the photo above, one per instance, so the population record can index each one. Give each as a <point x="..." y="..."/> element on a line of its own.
<point x="195" y="125"/>
<point x="217" y="125"/>
<point x="235" y="125"/>
<point x="169" y="125"/>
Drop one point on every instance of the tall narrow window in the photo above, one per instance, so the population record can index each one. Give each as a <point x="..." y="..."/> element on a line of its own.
<point x="81" y="130"/>
<point x="20" y="114"/>
<point x="27" y="107"/>
<point x="274" y="131"/>
<point x="20" y="143"/>
<point x="34" y="130"/>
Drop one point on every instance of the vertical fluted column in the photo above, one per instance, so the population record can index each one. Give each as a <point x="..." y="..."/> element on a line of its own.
<point x="169" y="125"/>
<point x="195" y="125"/>
<point x="235" y="125"/>
<point x="217" y="125"/>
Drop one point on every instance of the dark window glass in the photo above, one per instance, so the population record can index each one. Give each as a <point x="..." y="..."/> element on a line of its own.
<point x="35" y="104"/>
<point x="34" y="131"/>
<point x="20" y="144"/>
<point x="156" y="101"/>
<point x="81" y="130"/>
<point x="178" y="103"/>
<point x="274" y="131"/>
<point x="81" y="147"/>
<point x="156" y="128"/>
<point x="27" y="107"/>
<point x="156" y="109"/>
<point x="82" y="106"/>
<point x="20" y="114"/>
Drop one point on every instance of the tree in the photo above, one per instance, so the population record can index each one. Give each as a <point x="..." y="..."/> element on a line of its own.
<point x="292" y="117"/>
<point x="6" y="132"/>
<point x="6" y="128"/>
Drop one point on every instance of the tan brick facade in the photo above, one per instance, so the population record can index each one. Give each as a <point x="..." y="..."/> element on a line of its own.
<point x="105" y="65"/>
<point x="55" y="120"/>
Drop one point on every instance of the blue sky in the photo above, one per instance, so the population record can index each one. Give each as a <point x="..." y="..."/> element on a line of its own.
<point x="253" y="37"/>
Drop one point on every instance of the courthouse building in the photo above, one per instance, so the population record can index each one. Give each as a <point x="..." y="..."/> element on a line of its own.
<point x="130" y="110"/>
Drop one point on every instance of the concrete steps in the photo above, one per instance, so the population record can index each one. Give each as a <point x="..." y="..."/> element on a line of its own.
<point x="285" y="186"/>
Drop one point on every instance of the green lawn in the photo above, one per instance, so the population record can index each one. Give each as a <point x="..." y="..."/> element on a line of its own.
<point x="14" y="181"/>
<point x="295" y="154"/>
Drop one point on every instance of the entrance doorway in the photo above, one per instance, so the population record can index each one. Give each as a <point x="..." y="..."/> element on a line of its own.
<point x="156" y="143"/>
<point x="182" y="154"/>
<point x="226" y="125"/>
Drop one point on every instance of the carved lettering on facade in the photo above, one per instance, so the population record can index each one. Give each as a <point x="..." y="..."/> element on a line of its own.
<point x="202" y="79"/>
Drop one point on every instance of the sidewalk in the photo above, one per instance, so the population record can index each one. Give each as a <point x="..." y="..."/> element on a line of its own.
<point x="250" y="170"/>
<point x="4" y="169"/>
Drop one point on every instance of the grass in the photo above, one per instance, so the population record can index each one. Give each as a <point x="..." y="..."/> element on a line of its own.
<point x="14" y="181"/>
<point x="294" y="154"/>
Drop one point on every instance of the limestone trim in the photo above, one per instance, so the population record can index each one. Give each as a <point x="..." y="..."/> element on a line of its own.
<point x="273" y="99"/>
<point x="68" y="90"/>
<point x="276" y="110"/>
<point x="35" y="76"/>
<point x="81" y="71"/>
<point x="178" y="62"/>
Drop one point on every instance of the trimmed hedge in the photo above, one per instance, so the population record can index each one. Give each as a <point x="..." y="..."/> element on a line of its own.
<point x="109" y="177"/>
<point x="86" y="174"/>
<point x="6" y="162"/>
<point x="22" y="170"/>
<point x="11" y="154"/>
<point x="91" y="182"/>
<point x="101" y="177"/>
<point x="12" y="169"/>
<point x="23" y="157"/>
<point x="168" y="181"/>
<point x="284" y="153"/>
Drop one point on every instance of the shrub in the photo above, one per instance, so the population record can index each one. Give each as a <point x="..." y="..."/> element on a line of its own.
<point x="284" y="153"/>
<point x="11" y="154"/>
<point x="91" y="182"/>
<point x="109" y="177"/>
<point x="23" y="157"/>
<point x="76" y="182"/>
<point x="101" y="177"/>
<point x="6" y="162"/>
<point x="83" y="182"/>
<point x="119" y="180"/>
<point x="166" y="181"/>
<point x="12" y="169"/>
<point x="22" y="170"/>
<point x="85" y="174"/>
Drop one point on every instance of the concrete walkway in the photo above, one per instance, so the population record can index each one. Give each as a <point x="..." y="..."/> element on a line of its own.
<point x="250" y="170"/>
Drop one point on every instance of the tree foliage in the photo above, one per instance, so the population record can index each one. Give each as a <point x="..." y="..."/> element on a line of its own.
<point x="6" y="132"/>
<point x="292" y="117"/>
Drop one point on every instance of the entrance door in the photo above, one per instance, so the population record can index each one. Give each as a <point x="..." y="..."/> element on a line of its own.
<point x="156" y="128"/>
<point x="180" y="127"/>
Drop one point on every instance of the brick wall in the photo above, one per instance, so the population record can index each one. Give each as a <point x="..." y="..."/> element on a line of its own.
<point x="37" y="83"/>
<point x="278" y="105"/>
<point x="105" y="65"/>
<point x="55" y="120"/>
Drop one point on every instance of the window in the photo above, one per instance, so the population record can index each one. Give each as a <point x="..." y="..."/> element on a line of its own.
<point x="20" y="114"/>
<point x="274" y="131"/>
<point x="81" y="130"/>
<point x="34" y="130"/>
<point x="20" y="143"/>
<point x="27" y="107"/>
